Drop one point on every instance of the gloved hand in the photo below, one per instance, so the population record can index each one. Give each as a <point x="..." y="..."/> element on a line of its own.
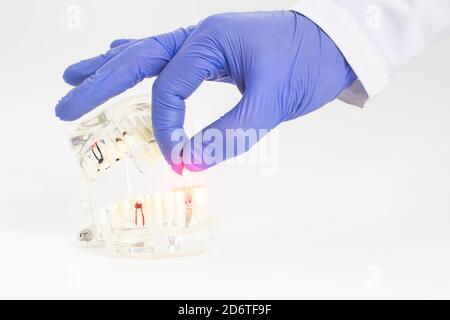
<point x="283" y="64"/>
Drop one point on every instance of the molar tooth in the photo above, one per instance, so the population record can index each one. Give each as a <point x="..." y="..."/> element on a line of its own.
<point x="133" y="132"/>
<point x="121" y="145"/>
<point x="113" y="151"/>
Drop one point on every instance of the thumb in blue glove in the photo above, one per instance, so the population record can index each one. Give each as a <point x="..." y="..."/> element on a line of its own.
<point x="284" y="65"/>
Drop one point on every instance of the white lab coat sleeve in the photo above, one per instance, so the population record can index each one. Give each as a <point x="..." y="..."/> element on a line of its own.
<point x="378" y="37"/>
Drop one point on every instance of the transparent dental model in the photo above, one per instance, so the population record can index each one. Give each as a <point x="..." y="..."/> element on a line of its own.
<point x="134" y="211"/>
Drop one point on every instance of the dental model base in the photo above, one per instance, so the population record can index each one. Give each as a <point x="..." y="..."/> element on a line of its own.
<point x="153" y="222"/>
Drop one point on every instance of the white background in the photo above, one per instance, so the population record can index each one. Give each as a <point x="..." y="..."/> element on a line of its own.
<point x="358" y="208"/>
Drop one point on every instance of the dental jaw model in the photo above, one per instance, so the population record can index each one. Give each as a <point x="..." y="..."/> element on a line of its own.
<point x="117" y="150"/>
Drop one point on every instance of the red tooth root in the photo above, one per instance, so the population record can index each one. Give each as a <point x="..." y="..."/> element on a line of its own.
<point x="138" y="206"/>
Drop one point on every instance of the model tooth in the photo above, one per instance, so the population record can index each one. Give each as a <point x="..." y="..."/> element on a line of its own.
<point x="151" y="152"/>
<point x="128" y="139"/>
<point x="142" y="156"/>
<point x="157" y="208"/>
<point x="154" y="151"/>
<point x="133" y="135"/>
<point x="126" y="216"/>
<point x="168" y="203"/>
<point x="145" y="129"/>
<point x="90" y="167"/>
<point x="133" y="127"/>
<point x="189" y="207"/>
<point x="139" y="213"/>
<point x="140" y="128"/>
<point x="147" y="120"/>
<point x="180" y="210"/>
<point x="199" y="203"/>
<point x="120" y="145"/>
<point x="114" y="214"/>
<point x="114" y="152"/>
<point x="105" y="165"/>
<point x="149" y="209"/>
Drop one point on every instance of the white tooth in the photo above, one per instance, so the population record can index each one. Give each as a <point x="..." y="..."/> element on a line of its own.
<point x="152" y="151"/>
<point x="95" y="159"/>
<point x="107" y="152"/>
<point x="90" y="166"/>
<point x="114" y="214"/>
<point x="141" y="156"/>
<point x="121" y="146"/>
<point x="149" y="209"/>
<point x="104" y="165"/>
<point x="180" y="209"/>
<point x="113" y="153"/>
<point x="168" y="202"/>
<point x="140" y="128"/>
<point x="157" y="208"/>
<point x="199" y="203"/>
<point x="126" y="218"/>
<point x="147" y="120"/>
<point x="138" y="211"/>
<point x="133" y="132"/>
<point x="145" y="129"/>
<point x="189" y="207"/>
<point x="128" y="139"/>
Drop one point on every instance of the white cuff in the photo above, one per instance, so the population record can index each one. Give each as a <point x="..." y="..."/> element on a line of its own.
<point x="358" y="50"/>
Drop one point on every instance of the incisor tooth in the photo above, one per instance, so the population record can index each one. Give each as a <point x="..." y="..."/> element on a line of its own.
<point x="157" y="208"/>
<point x="125" y="213"/>
<point x="180" y="211"/>
<point x="114" y="214"/>
<point x="148" y="209"/>
<point x="199" y="202"/>
<point x="168" y="202"/>
<point x="189" y="207"/>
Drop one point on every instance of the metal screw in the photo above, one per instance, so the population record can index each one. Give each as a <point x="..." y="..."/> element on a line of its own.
<point x="85" y="235"/>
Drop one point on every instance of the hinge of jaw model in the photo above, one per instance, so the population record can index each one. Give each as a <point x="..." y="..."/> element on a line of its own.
<point x="160" y="223"/>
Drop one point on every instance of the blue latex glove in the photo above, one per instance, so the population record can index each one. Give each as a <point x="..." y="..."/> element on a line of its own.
<point x="283" y="64"/>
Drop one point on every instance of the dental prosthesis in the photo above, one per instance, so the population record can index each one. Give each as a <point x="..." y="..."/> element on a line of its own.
<point x="157" y="220"/>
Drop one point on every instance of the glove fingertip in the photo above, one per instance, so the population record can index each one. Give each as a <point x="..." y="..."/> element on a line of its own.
<point x="178" y="168"/>
<point x="72" y="77"/>
<point x="118" y="42"/>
